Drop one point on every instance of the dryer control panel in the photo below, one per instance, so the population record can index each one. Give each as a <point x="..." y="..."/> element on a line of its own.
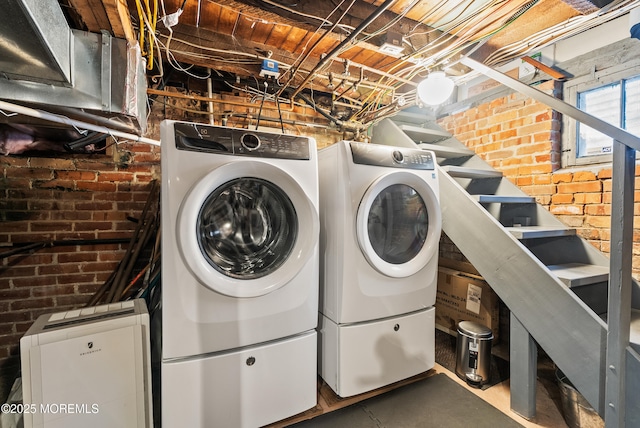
<point x="393" y="157"/>
<point x="240" y="142"/>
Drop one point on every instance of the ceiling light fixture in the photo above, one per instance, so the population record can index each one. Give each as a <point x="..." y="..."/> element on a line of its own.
<point x="435" y="89"/>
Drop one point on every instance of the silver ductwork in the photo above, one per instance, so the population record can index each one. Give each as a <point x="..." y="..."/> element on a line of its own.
<point x="46" y="64"/>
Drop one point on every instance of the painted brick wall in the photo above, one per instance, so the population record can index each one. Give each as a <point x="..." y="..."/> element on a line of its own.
<point x="521" y="137"/>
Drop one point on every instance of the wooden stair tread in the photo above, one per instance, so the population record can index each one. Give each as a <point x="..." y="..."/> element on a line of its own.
<point x="578" y="274"/>
<point x="425" y="135"/>
<point x="445" y="151"/>
<point x="504" y="199"/>
<point x="463" y="172"/>
<point x="534" y="232"/>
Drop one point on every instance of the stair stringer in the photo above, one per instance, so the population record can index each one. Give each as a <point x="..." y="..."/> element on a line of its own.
<point x="632" y="386"/>
<point x="567" y="329"/>
<point x="571" y="334"/>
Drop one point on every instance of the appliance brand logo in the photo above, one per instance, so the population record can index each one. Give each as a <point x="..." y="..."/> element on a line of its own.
<point x="90" y="349"/>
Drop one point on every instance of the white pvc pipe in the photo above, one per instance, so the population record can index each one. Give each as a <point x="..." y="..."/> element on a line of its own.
<point x="75" y="123"/>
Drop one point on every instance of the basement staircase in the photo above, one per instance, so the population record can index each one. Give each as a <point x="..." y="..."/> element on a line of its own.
<point x="553" y="281"/>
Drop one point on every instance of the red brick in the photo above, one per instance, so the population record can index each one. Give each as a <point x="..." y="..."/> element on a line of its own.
<point x="588" y="198"/>
<point x="113" y="196"/>
<point x="94" y="206"/>
<point x="73" y="196"/>
<point x="546" y="158"/>
<point x="79" y="257"/>
<point x="35" y="281"/>
<point x="82" y="278"/>
<point x="33" y="259"/>
<point x="542" y="179"/>
<point x="591" y="234"/>
<point x="93" y="225"/>
<point x="10" y="339"/>
<point x="500" y="154"/>
<point x="53" y="291"/>
<point x="46" y="302"/>
<point x="15" y="294"/>
<point x="524" y="181"/>
<point x="566" y="209"/>
<point x="88" y="288"/>
<point x="100" y="187"/>
<point x="566" y="198"/>
<point x="535" y="169"/>
<point x="115" y="176"/>
<point x="76" y="175"/>
<point x="51" y="226"/>
<point x="100" y="267"/>
<point x="580" y="187"/>
<point x="52" y="163"/>
<point x="584" y="176"/>
<point x="14" y="271"/>
<point x="75" y="235"/>
<point x="55" y="184"/>
<point x="539" y="190"/>
<point x="598" y="221"/>
<point x="29" y="173"/>
<point x="71" y="215"/>
<point x="95" y="165"/>
<point x="73" y="301"/>
<point x="58" y="269"/>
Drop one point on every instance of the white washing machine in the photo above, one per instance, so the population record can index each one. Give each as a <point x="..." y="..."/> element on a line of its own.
<point x="380" y="230"/>
<point x="240" y="231"/>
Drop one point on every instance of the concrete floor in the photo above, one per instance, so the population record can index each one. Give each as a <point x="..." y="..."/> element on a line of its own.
<point x="548" y="406"/>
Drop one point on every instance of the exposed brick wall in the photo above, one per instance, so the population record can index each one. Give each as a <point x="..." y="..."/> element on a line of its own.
<point x="71" y="197"/>
<point x="521" y="137"/>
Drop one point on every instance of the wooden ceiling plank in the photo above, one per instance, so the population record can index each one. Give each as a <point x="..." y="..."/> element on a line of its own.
<point x="86" y="13"/>
<point x="120" y="20"/>
<point x="214" y="40"/>
<point x="364" y="56"/>
<point x="321" y="9"/>
<point x="306" y="42"/>
<point x="261" y="31"/>
<point x="209" y="15"/>
<point x="228" y="21"/>
<point x="278" y="35"/>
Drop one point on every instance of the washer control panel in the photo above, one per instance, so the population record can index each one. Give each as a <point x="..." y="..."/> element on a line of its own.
<point x="240" y="142"/>
<point x="394" y="157"/>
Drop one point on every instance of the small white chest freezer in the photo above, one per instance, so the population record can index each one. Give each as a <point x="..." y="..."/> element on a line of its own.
<point x="88" y="368"/>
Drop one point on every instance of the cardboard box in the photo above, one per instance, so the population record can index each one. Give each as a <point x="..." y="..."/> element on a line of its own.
<point x="465" y="297"/>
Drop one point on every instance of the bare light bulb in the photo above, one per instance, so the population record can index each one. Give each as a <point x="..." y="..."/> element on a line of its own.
<point x="435" y="89"/>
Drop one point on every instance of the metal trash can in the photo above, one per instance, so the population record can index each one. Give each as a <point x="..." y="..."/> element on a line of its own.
<point x="473" y="353"/>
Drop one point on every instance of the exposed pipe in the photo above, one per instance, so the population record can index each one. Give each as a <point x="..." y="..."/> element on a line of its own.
<point x="133" y="246"/>
<point x="210" y="95"/>
<point x="74" y="123"/>
<point x="364" y="24"/>
<point x="35" y="246"/>
<point x="302" y="59"/>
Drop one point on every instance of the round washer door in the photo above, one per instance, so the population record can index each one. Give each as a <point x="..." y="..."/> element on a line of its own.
<point x="246" y="229"/>
<point x="398" y="224"/>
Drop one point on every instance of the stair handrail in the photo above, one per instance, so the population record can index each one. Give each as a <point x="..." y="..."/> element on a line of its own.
<point x="620" y="256"/>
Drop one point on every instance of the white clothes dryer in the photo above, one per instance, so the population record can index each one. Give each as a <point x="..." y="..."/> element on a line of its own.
<point x="380" y="230"/>
<point x="240" y="230"/>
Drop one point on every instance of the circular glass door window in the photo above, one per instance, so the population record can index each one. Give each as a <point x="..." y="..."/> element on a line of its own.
<point x="247" y="228"/>
<point x="397" y="224"/>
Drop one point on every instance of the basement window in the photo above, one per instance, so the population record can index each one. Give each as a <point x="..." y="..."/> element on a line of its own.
<point x="610" y="95"/>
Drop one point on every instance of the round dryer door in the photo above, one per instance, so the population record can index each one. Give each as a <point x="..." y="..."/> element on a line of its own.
<point x="246" y="229"/>
<point x="399" y="224"/>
